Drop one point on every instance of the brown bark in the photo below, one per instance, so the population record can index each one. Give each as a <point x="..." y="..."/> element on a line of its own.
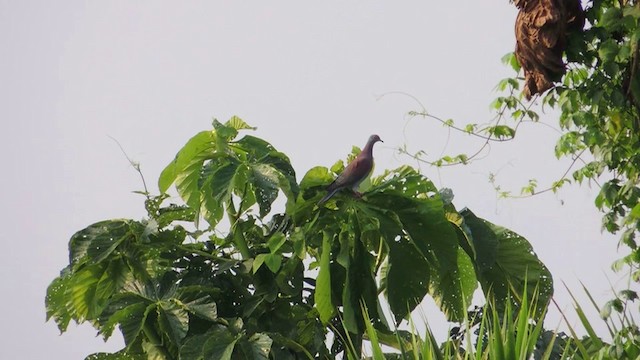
<point x="541" y="36"/>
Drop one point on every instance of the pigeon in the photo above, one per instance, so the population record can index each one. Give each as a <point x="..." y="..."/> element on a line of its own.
<point x="355" y="172"/>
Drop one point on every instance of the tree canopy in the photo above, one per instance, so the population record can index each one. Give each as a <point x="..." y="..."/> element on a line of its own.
<point x="273" y="284"/>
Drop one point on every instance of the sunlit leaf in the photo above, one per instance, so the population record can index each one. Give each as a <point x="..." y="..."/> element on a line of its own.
<point x="193" y="149"/>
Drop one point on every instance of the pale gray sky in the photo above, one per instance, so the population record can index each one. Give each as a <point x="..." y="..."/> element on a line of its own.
<point x="153" y="73"/>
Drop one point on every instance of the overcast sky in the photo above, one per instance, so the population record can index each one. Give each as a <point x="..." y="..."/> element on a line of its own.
<point x="309" y="75"/>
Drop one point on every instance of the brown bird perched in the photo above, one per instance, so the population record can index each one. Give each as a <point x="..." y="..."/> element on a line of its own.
<point x="355" y="172"/>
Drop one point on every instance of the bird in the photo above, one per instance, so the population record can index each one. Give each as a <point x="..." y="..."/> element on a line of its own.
<point x="355" y="172"/>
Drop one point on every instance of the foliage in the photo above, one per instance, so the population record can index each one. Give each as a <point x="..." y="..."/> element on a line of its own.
<point x="486" y="334"/>
<point x="490" y="334"/>
<point x="265" y="285"/>
<point x="599" y="104"/>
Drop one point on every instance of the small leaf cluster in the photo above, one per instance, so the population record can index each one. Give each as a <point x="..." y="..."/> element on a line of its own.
<point x="189" y="283"/>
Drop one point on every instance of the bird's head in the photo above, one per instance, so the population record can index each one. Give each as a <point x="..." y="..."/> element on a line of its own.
<point x="374" y="139"/>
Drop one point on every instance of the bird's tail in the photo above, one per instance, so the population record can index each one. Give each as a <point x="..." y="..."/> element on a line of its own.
<point x="328" y="196"/>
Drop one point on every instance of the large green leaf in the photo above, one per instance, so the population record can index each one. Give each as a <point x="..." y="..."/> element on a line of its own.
<point x="193" y="346"/>
<point x="195" y="148"/>
<point x="359" y="288"/>
<point x="265" y="180"/>
<point x="483" y="239"/>
<point x="217" y="188"/>
<point x="453" y="290"/>
<point x="258" y="346"/>
<point x="98" y="241"/>
<point x="56" y="300"/>
<point x="412" y="201"/>
<point x="261" y="152"/>
<point x="219" y="345"/>
<point x="322" y="294"/>
<point x="407" y="280"/>
<point x="131" y="320"/>
<point x="203" y="307"/>
<point x="515" y="264"/>
<point x="113" y="279"/>
<point x="81" y="293"/>
<point x="174" y="321"/>
<point x="189" y="180"/>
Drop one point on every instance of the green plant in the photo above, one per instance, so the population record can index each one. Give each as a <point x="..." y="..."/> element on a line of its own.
<point x="489" y="332"/>
<point x="262" y="284"/>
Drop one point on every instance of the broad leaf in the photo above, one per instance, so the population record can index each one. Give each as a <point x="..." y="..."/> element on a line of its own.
<point x="259" y="346"/>
<point x="194" y="149"/>
<point x="219" y="345"/>
<point x="98" y="241"/>
<point x="56" y="300"/>
<point x="454" y="289"/>
<point x="515" y="264"/>
<point x="323" y="282"/>
<point x="407" y="279"/>
<point x="174" y="322"/>
<point x="131" y="320"/>
<point x="203" y="307"/>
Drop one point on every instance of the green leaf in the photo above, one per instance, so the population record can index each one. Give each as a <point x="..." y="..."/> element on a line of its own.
<point x="611" y="18"/>
<point x="203" y="307"/>
<point x="322" y="294"/>
<point x="511" y="60"/>
<point x="219" y="185"/>
<point x="258" y="261"/>
<point x="317" y="176"/>
<point x="515" y="264"/>
<point x="81" y="293"/>
<point x="98" y="241"/>
<point x="608" y="50"/>
<point x="154" y="351"/>
<point x="174" y="322"/>
<point x="193" y="347"/>
<point x="224" y="132"/>
<point x="219" y="345"/>
<point x="120" y="355"/>
<point x="454" y="289"/>
<point x="276" y="241"/>
<point x="359" y="286"/>
<point x="188" y="181"/>
<point x="501" y="131"/>
<point x="273" y="262"/>
<point x="485" y="241"/>
<point x="337" y="167"/>
<point x="407" y="279"/>
<point x="194" y="149"/>
<point x="171" y="213"/>
<point x="239" y="124"/>
<point x="131" y="320"/>
<point x="112" y="281"/>
<point x="260" y="346"/>
<point x="56" y="300"/>
<point x="299" y="243"/>
<point x="265" y="180"/>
